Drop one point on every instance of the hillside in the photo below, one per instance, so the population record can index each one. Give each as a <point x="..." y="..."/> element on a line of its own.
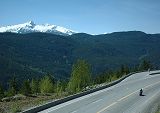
<point x="34" y="54"/>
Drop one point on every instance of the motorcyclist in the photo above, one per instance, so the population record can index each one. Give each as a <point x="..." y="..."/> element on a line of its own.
<point x="140" y="93"/>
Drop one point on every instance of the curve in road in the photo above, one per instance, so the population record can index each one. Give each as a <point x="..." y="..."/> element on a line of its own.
<point x="120" y="98"/>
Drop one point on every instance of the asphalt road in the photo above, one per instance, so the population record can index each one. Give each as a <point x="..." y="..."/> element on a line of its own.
<point x="121" y="98"/>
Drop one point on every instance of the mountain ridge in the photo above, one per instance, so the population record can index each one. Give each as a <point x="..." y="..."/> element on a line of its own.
<point x="30" y="27"/>
<point x="34" y="54"/>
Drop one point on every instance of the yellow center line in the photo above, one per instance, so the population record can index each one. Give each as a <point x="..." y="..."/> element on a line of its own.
<point x="105" y="108"/>
<point x="127" y="96"/>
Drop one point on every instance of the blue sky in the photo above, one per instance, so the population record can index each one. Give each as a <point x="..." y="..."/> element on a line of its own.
<point x="90" y="16"/>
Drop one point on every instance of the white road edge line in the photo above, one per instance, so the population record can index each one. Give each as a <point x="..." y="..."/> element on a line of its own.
<point x="96" y="101"/>
<point x="74" y="111"/>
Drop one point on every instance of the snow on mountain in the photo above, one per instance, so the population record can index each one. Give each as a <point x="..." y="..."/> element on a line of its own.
<point x="30" y="27"/>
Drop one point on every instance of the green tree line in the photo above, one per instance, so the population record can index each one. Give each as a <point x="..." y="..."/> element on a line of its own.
<point x="81" y="77"/>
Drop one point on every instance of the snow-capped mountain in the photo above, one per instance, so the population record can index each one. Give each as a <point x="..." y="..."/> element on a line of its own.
<point x="30" y="27"/>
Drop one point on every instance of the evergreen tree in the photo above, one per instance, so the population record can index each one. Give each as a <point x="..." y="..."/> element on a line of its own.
<point x="104" y="77"/>
<point x="12" y="87"/>
<point x="117" y="74"/>
<point x="1" y="91"/>
<point x="135" y="68"/>
<point x="64" y="85"/>
<point x="59" y="88"/>
<point x="51" y="77"/>
<point x="26" y="89"/>
<point x="34" y="86"/>
<point x="127" y="70"/>
<point x="145" y="65"/>
<point x="46" y="85"/>
<point x="122" y="70"/>
<point x="80" y="76"/>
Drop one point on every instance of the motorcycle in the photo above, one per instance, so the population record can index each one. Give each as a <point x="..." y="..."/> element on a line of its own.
<point x="141" y="92"/>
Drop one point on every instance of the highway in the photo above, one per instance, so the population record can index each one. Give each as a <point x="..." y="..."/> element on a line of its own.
<point x="120" y="98"/>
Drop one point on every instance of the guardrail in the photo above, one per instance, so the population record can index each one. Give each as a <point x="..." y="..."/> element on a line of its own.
<point x="155" y="73"/>
<point x="71" y="97"/>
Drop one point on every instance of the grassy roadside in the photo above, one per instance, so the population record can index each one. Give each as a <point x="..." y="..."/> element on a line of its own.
<point x="15" y="106"/>
<point x="158" y="111"/>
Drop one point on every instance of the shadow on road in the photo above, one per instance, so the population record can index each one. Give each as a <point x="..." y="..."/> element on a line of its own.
<point x="142" y="95"/>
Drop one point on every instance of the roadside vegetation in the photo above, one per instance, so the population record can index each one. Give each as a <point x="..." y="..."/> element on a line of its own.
<point x="158" y="109"/>
<point x="25" y="94"/>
